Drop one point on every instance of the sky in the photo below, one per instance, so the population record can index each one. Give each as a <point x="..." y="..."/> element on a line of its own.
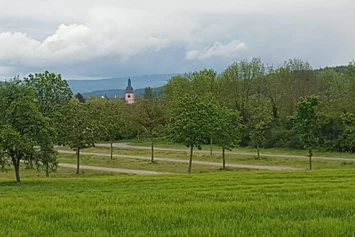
<point x="88" y="39"/>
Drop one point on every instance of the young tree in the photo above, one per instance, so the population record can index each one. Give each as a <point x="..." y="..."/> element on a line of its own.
<point x="260" y="117"/>
<point x="228" y="130"/>
<point x="21" y="123"/>
<point x="77" y="128"/>
<point x="188" y="125"/>
<point x="150" y="114"/>
<point x="52" y="92"/>
<point x="108" y="115"/>
<point x="306" y="123"/>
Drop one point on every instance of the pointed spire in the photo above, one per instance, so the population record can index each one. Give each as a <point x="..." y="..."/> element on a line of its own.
<point x="129" y="87"/>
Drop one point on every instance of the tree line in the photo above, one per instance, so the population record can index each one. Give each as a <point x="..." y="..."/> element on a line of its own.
<point x="248" y="104"/>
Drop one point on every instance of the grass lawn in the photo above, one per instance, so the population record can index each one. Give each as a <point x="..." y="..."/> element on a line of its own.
<point x="255" y="203"/>
<point x="176" y="167"/>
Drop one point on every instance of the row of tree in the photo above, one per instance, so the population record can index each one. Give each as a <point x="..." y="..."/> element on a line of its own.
<point x="292" y="106"/>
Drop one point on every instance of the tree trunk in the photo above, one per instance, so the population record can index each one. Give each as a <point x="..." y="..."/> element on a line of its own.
<point x="257" y="147"/>
<point x="190" y="161"/>
<point x="224" y="157"/>
<point x="77" y="160"/>
<point x="111" y="150"/>
<point x="2" y="164"/>
<point x="211" y="142"/>
<point x="310" y="159"/>
<point x="17" y="170"/>
<point x="152" y="148"/>
<point x="47" y="169"/>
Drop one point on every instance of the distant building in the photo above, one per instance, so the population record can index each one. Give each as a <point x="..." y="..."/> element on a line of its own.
<point x="129" y="94"/>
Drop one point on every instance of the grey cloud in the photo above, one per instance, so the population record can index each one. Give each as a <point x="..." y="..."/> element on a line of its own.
<point x="120" y="38"/>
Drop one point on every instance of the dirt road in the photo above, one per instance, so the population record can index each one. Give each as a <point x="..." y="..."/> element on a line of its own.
<point x="127" y="146"/>
<point x="239" y="166"/>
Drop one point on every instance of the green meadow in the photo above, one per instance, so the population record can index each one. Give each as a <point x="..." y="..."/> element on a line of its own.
<point x="242" y="203"/>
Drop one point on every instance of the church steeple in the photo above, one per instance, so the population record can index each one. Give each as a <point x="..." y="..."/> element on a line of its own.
<point x="129" y="88"/>
<point x="129" y="95"/>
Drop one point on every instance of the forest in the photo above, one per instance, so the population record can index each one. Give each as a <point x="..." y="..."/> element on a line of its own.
<point x="250" y="103"/>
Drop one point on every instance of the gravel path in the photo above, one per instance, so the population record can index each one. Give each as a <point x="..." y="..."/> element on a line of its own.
<point x="240" y="166"/>
<point x="127" y="146"/>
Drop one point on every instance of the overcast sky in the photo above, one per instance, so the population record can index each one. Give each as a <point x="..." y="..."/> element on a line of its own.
<point x="111" y="38"/>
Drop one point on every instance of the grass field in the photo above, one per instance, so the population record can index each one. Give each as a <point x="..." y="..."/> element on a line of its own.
<point x="244" y="203"/>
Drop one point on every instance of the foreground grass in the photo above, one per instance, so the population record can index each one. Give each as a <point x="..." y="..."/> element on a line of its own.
<point x="317" y="203"/>
<point x="216" y="157"/>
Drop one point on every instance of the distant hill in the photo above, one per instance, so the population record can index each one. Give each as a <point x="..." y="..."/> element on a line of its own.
<point x="117" y="85"/>
<point x="120" y="93"/>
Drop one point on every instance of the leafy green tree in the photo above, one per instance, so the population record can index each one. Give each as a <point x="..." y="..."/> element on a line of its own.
<point x="306" y="123"/>
<point x="3" y="159"/>
<point x="108" y="115"/>
<point x="228" y="131"/>
<point x="332" y="88"/>
<point x="77" y="129"/>
<point x="151" y="114"/>
<point x="260" y="114"/>
<point x="238" y="83"/>
<point x="348" y="134"/>
<point x="21" y="124"/>
<point x="188" y="125"/>
<point x="52" y="92"/>
<point x="148" y="93"/>
<point x="80" y="97"/>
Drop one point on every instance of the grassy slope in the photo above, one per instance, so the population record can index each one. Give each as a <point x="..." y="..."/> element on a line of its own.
<point x="317" y="203"/>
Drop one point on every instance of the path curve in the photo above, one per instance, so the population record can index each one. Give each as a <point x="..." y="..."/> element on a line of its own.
<point x="240" y="166"/>
<point x="115" y="170"/>
<point x="127" y="146"/>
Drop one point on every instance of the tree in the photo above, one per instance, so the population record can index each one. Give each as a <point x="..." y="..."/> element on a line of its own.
<point x="80" y="97"/>
<point x="228" y="130"/>
<point x="3" y="159"/>
<point x="52" y="92"/>
<point x="260" y="114"/>
<point x="188" y="125"/>
<point x="150" y="114"/>
<point x="21" y="124"/>
<point x="108" y="115"/>
<point x="238" y="83"/>
<point x="77" y="129"/>
<point x="348" y="134"/>
<point x="306" y="123"/>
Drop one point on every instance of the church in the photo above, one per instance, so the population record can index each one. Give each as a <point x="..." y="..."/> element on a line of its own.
<point x="129" y="94"/>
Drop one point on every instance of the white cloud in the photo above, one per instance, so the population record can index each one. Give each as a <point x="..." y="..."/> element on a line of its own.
<point x="218" y="49"/>
<point x="108" y="31"/>
<point x="67" y="35"/>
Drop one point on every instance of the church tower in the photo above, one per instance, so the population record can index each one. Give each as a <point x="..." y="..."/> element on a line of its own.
<point x="129" y="95"/>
